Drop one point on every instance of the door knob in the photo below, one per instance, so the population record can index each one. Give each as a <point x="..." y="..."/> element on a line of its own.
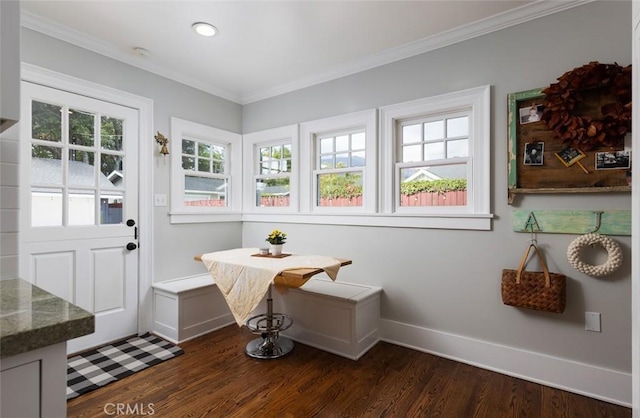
<point x="131" y="246"/>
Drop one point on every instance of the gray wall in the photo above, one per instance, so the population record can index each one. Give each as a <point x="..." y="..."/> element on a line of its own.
<point x="175" y="245"/>
<point x="450" y="280"/>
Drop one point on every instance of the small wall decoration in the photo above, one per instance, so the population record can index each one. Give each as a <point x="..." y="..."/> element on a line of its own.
<point x="614" y="260"/>
<point x="162" y="141"/>
<point x="530" y="114"/>
<point x="534" y="153"/>
<point x="570" y="156"/>
<point x="614" y="160"/>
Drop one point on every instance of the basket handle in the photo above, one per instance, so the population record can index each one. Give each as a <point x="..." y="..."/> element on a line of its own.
<point x="523" y="261"/>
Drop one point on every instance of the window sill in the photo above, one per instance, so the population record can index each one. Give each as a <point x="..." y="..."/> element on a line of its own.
<point x="193" y="218"/>
<point x="479" y="222"/>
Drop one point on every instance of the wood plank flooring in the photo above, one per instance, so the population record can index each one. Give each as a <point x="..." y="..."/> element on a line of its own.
<point x="214" y="378"/>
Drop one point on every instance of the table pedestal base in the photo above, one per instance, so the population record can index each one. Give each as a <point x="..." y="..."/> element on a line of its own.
<point x="268" y="326"/>
<point x="268" y="347"/>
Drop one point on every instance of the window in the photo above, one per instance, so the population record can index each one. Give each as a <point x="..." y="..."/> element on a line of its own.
<point x="432" y="161"/>
<point x="436" y="159"/>
<point x="206" y="172"/>
<point x="338" y="164"/>
<point x="270" y="159"/>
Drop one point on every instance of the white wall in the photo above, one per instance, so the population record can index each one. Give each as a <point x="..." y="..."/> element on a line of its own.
<point x="442" y="282"/>
<point x="175" y="245"/>
<point x="9" y="148"/>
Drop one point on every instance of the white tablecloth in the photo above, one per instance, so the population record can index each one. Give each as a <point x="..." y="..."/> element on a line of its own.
<point x="244" y="280"/>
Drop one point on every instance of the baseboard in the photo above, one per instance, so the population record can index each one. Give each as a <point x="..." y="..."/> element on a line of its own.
<point x="584" y="379"/>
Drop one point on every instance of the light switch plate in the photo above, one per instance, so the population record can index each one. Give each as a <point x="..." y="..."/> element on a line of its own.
<point x="160" y="200"/>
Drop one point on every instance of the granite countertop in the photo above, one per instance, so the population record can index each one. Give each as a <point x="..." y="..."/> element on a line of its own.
<point x="32" y="318"/>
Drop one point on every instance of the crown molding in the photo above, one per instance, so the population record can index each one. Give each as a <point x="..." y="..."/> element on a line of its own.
<point x="504" y="20"/>
<point x="74" y="37"/>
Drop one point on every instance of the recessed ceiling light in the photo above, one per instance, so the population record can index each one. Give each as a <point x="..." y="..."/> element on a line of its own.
<point x="204" y="29"/>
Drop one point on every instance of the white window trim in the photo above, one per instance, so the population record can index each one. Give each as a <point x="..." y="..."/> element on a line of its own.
<point x="251" y="143"/>
<point x="366" y="119"/>
<point x="478" y="209"/>
<point x="183" y="214"/>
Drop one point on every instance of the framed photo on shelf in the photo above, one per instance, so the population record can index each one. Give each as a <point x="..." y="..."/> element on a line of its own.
<point x="533" y="153"/>
<point x="616" y="160"/>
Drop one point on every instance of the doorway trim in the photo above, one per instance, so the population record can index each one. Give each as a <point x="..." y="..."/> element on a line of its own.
<point x="144" y="106"/>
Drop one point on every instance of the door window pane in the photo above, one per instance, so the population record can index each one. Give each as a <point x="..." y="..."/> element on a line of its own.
<point x="82" y="207"/>
<point x="46" y="121"/>
<point x="46" y="206"/>
<point x="111" y="208"/>
<point x="81" y="127"/>
<point x="111" y="167"/>
<point x="81" y="168"/>
<point x="46" y="165"/>
<point x="111" y="133"/>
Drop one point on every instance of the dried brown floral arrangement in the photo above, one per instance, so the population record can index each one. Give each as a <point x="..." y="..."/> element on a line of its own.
<point x="585" y="132"/>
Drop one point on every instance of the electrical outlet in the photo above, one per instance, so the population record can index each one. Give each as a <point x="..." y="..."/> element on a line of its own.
<point x="592" y="321"/>
<point x="160" y="200"/>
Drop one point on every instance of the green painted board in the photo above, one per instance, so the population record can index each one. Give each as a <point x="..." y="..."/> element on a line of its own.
<point x="612" y="222"/>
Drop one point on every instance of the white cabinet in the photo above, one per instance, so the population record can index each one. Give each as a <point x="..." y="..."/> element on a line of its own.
<point x="33" y="384"/>
<point x="9" y="63"/>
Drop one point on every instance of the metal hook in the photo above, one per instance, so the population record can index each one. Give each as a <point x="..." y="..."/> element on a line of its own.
<point x="598" y="221"/>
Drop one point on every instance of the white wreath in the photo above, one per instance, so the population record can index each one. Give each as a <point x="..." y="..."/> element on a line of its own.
<point x="613" y="250"/>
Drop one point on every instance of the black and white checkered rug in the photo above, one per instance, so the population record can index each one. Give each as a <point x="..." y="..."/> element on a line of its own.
<point x="96" y="368"/>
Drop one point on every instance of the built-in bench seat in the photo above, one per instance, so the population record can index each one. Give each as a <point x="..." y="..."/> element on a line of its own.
<point x="338" y="317"/>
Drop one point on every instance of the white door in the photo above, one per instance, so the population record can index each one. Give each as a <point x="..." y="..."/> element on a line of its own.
<point x="79" y="206"/>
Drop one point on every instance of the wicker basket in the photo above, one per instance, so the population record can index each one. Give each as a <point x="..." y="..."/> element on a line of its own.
<point x="540" y="290"/>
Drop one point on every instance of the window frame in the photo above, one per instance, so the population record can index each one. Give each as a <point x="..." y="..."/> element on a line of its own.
<point x="477" y="102"/>
<point x="252" y="143"/>
<point x="309" y="137"/>
<point x="232" y="142"/>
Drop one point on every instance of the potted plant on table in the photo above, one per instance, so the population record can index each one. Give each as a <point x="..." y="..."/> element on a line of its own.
<point x="276" y="239"/>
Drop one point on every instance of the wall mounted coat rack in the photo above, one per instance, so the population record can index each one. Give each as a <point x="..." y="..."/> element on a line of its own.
<point x="609" y="222"/>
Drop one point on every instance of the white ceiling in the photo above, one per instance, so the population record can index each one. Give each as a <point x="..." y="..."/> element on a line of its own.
<point x="266" y="48"/>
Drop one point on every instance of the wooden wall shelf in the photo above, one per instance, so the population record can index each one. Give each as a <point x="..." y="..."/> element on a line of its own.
<point x="552" y="175"/>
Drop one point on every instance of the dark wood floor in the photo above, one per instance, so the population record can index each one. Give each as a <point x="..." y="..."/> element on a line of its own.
<point x="215" y="379"/>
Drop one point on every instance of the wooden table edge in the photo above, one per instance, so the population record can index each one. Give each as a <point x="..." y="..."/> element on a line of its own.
<point x="304" y="273"/>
